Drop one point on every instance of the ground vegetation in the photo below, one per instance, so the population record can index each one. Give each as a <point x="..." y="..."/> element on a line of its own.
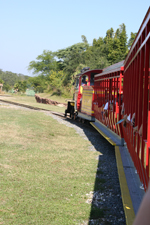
<point x="55" y="172"/>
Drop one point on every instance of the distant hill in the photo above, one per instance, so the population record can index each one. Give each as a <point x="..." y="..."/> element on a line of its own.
<point x="11" y="78"/>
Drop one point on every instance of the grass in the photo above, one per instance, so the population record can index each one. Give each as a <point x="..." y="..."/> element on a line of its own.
<point x="29" y="100"/>
<point x="46" y="170"/>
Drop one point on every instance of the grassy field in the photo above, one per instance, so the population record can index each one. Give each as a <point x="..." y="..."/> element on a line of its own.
<point x="29" y="100"/>
<point x="46" y="170"/>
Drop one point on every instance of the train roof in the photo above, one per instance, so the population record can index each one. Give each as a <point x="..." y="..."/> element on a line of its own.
<point x="78" y="75"/>
<point x="111" y="69"/>
<point x="89" y="71"/>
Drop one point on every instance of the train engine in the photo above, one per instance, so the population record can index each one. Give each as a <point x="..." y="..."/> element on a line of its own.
<point x="81" y="105"/>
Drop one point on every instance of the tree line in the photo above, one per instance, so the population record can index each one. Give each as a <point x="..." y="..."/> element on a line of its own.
<point x="9" y="79"/>
<point x="55" y="71"/>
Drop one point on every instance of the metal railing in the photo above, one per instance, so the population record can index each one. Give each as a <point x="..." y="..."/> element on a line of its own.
<point x="137" y="100"/>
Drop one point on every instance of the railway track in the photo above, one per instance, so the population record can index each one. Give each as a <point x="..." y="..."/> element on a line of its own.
<point x="62" y="115"/>
<point x="33" y="107"/>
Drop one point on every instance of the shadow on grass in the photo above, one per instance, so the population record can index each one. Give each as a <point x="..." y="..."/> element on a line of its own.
<point x="106" y="202"/>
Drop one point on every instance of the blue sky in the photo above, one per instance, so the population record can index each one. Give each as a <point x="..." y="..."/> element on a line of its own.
<point x="28" y="27"/>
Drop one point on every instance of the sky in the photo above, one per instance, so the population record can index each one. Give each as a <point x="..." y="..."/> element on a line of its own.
<point x="28" y="27"/>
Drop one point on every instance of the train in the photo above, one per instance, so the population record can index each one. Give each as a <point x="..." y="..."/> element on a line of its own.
<point x="118" y="98"/>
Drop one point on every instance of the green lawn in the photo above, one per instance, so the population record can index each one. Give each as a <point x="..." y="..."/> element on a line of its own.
<point x="46" y="170"/>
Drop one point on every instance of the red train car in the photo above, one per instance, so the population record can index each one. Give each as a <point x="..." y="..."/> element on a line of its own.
<point x="108" y="90"/>
<point x="118" y="97"/>
<point x="137" y="100"/>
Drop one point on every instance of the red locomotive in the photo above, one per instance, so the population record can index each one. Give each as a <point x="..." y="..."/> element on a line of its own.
<point x="118" y="97"/>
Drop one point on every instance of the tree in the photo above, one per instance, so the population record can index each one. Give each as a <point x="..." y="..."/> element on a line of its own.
<point x="11" y="78"/>
<point x="95" y="57"/>
<point x="6" y="87"/>
<point x="1" y="81"/>
<point x="110" y="33"/>
<point x="84" y="39"/>
<point x="123" y="41"/>
<point x="21" y="86"/>
<point x="132" y="37"/>
<point x="56" y="81"/>
<point x="44" y="63"/>
<point x="102" y="53"/>
<point x="70" y="58"/>
<point x="98" y="43"/>
<point x="39" y="83"/>
<point x="108" y="40"/>
<point x="116" y="44"/>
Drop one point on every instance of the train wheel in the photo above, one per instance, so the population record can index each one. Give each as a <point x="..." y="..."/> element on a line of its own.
<point x="65" y="113"/>
<point x="72" y="113"/>
<point x="75" y="115"/>
<point x="72" y="116"/>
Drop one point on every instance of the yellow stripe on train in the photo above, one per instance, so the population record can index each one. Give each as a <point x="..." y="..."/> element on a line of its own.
<point x="87" y="110"/>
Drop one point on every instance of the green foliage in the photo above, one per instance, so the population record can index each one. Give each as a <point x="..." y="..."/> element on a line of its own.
<point x="116" y="44"/>
<point x="1" y="81"/>
<point x="21" y="86"/>
<point x="55" y="81"/>
<point x="10" y="79"/>
<point x="84" y="39"/>
<point x="98" y="43"/>
<point x="132" y="37"/>
<point x="6" y="87"/>
<point x="44" y="63"/>
<point x="108" y="50"/>
<point x="59" y="68"/>
<point x="123" y="41"/>
<point x="56" y="70"/>
<point x="94" y="57"/>
<point x="38" y="83"/>
<point x="78" y="70"/>
<point x="71" y="57"/>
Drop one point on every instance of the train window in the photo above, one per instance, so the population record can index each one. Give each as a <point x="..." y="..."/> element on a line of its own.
<point x="92" y="79"/>
<point x="84" y="80"/>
